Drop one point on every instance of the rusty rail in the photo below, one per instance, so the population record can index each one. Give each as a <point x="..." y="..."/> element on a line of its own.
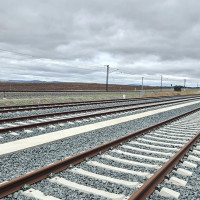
<point x="35" y="176"/>
<point x="150" y="185"/>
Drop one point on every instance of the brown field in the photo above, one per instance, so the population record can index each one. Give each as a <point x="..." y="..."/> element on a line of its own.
<point x="14" y="86"/>
<point x="24" y="98"/>
<point x="172" y="93"/>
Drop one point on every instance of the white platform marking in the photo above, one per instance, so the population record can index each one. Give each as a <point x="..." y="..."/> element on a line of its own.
<point x="86" y="189"/>
<point x="38" y="195"/>
<point x="168" y="193"/>
<point x="140" y="156"/>
<point x="34" y="141"/>
<point x="146" y="150"/>
<point x="106" y="178"/>
<point x="117" y="169"/>
<point x="124" y="161"/>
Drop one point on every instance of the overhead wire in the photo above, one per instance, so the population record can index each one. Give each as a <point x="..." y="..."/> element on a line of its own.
<point x="116" y="70"/>
<point x="40" y="57"/>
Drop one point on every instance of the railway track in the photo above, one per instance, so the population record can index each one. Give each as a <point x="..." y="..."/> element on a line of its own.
<point x="32" y="121"/>
<point x="7" y="109"/>
<point x="130" y="167"/>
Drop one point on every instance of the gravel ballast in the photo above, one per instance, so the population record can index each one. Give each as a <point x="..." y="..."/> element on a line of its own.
<point x="61" y="192"/>
<point x="30" y="159"/>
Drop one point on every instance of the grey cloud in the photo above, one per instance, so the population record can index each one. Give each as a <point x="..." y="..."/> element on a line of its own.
<point x="145" y="37"/>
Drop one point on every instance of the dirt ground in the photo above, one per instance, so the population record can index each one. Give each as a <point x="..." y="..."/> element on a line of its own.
<point x="82" y="97"/>
<point x="15" y="86"/>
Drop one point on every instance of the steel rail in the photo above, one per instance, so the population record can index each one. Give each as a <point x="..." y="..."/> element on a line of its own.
<point x="150" y="185"/>
<point x="79" y="103"/>
<point x="40" y="174"/>
<point x="67" y="119"/>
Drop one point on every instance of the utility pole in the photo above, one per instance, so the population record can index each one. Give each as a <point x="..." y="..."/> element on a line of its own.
<point x="107" y="78"/>
<point x="142" y="82"/>
<point x="184" y="82"/>
<point x="161" y="83"/>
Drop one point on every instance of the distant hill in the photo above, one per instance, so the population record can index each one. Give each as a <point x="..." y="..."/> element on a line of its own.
<point x="31" y="81"/>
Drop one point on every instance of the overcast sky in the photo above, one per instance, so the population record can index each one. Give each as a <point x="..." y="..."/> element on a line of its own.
<point x="72" y="40"/>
